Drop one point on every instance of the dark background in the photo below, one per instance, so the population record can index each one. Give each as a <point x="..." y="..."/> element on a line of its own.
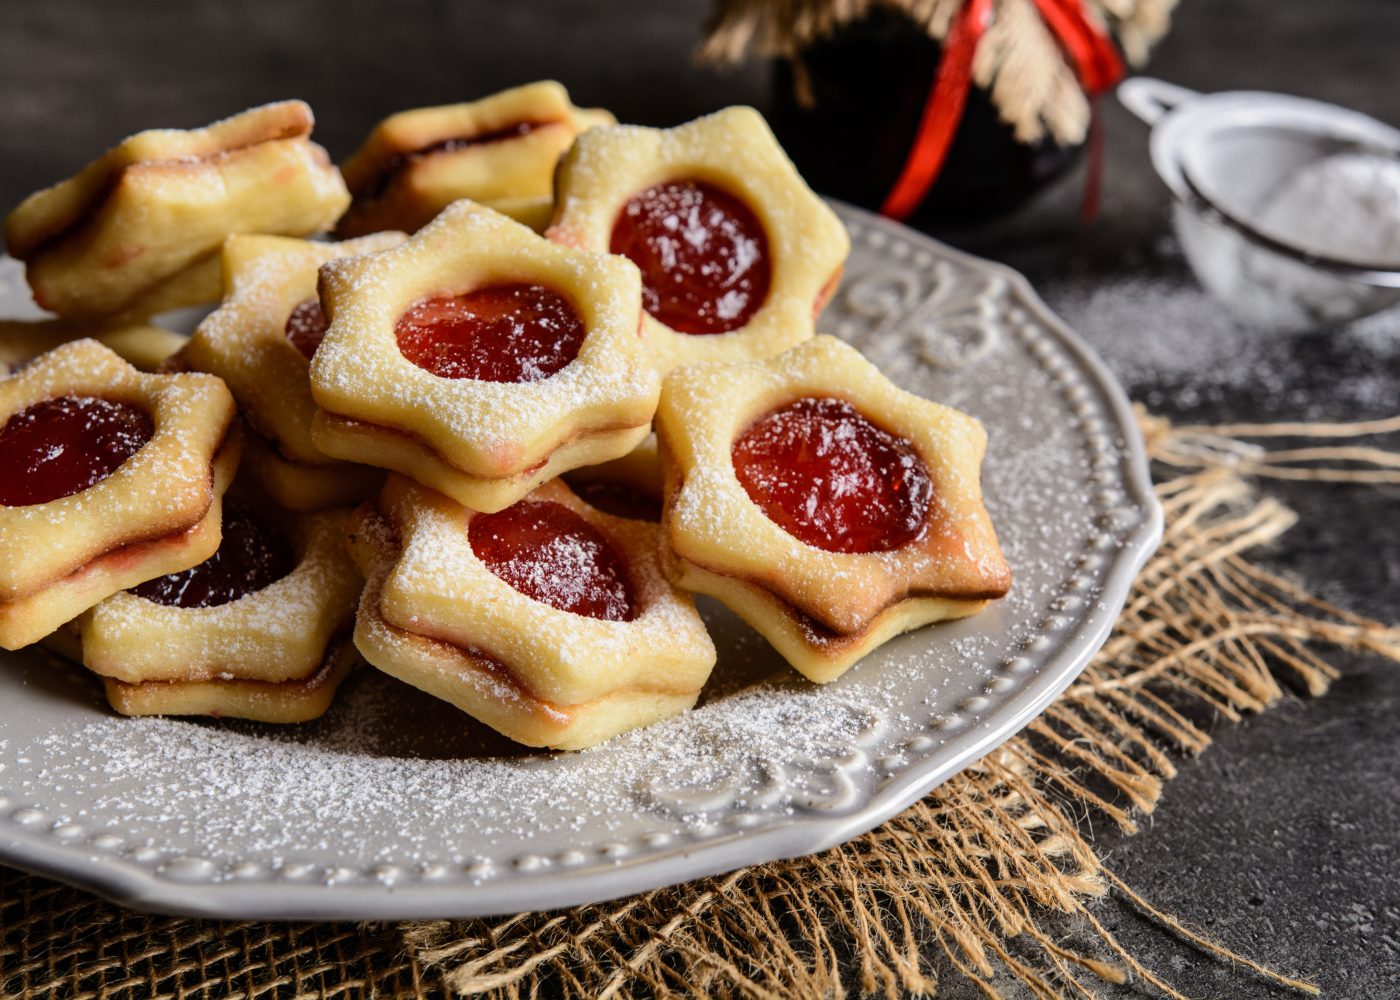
<point x="1281" y="840"/>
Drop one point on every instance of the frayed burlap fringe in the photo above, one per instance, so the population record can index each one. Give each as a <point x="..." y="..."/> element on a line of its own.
<point x="1226" y="446"/>
<point x="988" y="862"/>
<point x="1019" y="61"/>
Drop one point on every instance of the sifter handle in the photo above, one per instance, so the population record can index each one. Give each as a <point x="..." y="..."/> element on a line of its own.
<point x="1152" y="99"/>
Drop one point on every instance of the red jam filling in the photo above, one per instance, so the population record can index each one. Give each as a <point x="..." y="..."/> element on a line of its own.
<point x="702" y="252"/>
<point x="831" y="478"/>
<point x="550" y="554"/>
<point x="515" y="130"/>
<point x="251" y="555"/>
<point x="306" y="326"/>
<point x="501" y="333"/>
<point x="62" y="446"/>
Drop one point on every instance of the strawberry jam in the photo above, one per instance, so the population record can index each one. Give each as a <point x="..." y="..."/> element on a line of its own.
<point x="501" y="333"/>
<point x="251" y="555"/>
<point x="550" y="554"/>
<point x="702" y="252"/>
<point x="62" y="446"/>
<point x="831" y="478"/>
<point x="306" y="326"/>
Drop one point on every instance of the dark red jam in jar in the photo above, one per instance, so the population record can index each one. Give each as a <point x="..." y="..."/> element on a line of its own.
<point x="702" y="252"/>
<point x="306" y="326"/>
<point x="829" y="477"/>
<point x="500" y="333"/>
<point x="62" y="446"/>
<point x="252" y="555"/>
<point x="551" y="554"/>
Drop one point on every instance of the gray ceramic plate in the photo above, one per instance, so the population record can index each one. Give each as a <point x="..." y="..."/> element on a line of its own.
<point x="396" y="806"/>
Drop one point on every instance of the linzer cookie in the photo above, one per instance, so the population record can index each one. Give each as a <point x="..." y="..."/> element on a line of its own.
<point x="825" y="506"/>
<point x="480" y="359"/>
<point x="549" y="621"/>
<point x="260" y="630"/>
<point x="138" y="230"/>
<point x="499" y="151"/>
<point x="737" y="254"/>
<point x="454" y="381"/>
<point x="113" y="477"/>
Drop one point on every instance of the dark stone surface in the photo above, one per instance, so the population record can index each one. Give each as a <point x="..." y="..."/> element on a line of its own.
<point x="1281" y="840"/>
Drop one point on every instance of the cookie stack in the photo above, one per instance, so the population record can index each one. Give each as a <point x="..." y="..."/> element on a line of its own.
<point x="494" y="458"/>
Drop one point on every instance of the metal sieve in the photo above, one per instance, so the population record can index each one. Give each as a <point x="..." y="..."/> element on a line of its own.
<point x="1225" y="157"/>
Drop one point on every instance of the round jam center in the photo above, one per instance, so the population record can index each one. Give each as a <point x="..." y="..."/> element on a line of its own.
<point x="832" y="479"/>
<point x="549" y="553"/>
<point x="702" y="252"/>
<point x="306" y="326"/>
<point x="251" y="555"/>
<point x="501" y="333"/>
<point x="62" y="446"/>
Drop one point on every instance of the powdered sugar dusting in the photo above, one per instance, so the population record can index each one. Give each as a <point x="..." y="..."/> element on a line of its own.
<point x="246" y="340"/>
<point x="314" y="791"/>
<point x="1170" y="340"/>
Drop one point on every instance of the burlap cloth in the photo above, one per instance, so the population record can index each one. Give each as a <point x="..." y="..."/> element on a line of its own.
<point x="984" y="866"/>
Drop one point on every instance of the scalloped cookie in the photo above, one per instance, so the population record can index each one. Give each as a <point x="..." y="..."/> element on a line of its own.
<point x="737" y="254"/>
<point x="828" y="508"/>
<point x="480" y="359"/>
<point x="549" y="621"/>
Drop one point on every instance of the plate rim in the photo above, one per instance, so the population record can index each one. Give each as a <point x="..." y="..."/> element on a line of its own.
<point x="143" y="888"/>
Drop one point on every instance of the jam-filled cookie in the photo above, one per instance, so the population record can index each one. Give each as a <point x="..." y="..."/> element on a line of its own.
<point x="828" y="508"/>
<point x="147" y="347"/>
<point x="548" y="621"/>
<point x="137" y="231"/>
<point x="260" y="342"/>
<point x="737" y="254"/>
<point x="112" y="477"/>
<point x="499" y="151"/>
<point x="260" y="630"/>
<point x="480" y="359"/>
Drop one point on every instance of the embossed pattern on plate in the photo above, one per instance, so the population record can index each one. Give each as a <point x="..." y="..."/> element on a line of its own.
<point x="392" y="807"/>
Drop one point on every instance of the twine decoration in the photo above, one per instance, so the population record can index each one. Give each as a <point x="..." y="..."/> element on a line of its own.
<point x="985" y="866"/>
<point x="1021" y="60"/>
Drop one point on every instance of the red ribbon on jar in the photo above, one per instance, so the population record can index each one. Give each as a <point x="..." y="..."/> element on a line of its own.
<point x="1089" y="49"/>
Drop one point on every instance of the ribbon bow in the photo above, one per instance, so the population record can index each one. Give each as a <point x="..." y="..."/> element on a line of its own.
<point x="1090" y="51"/>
